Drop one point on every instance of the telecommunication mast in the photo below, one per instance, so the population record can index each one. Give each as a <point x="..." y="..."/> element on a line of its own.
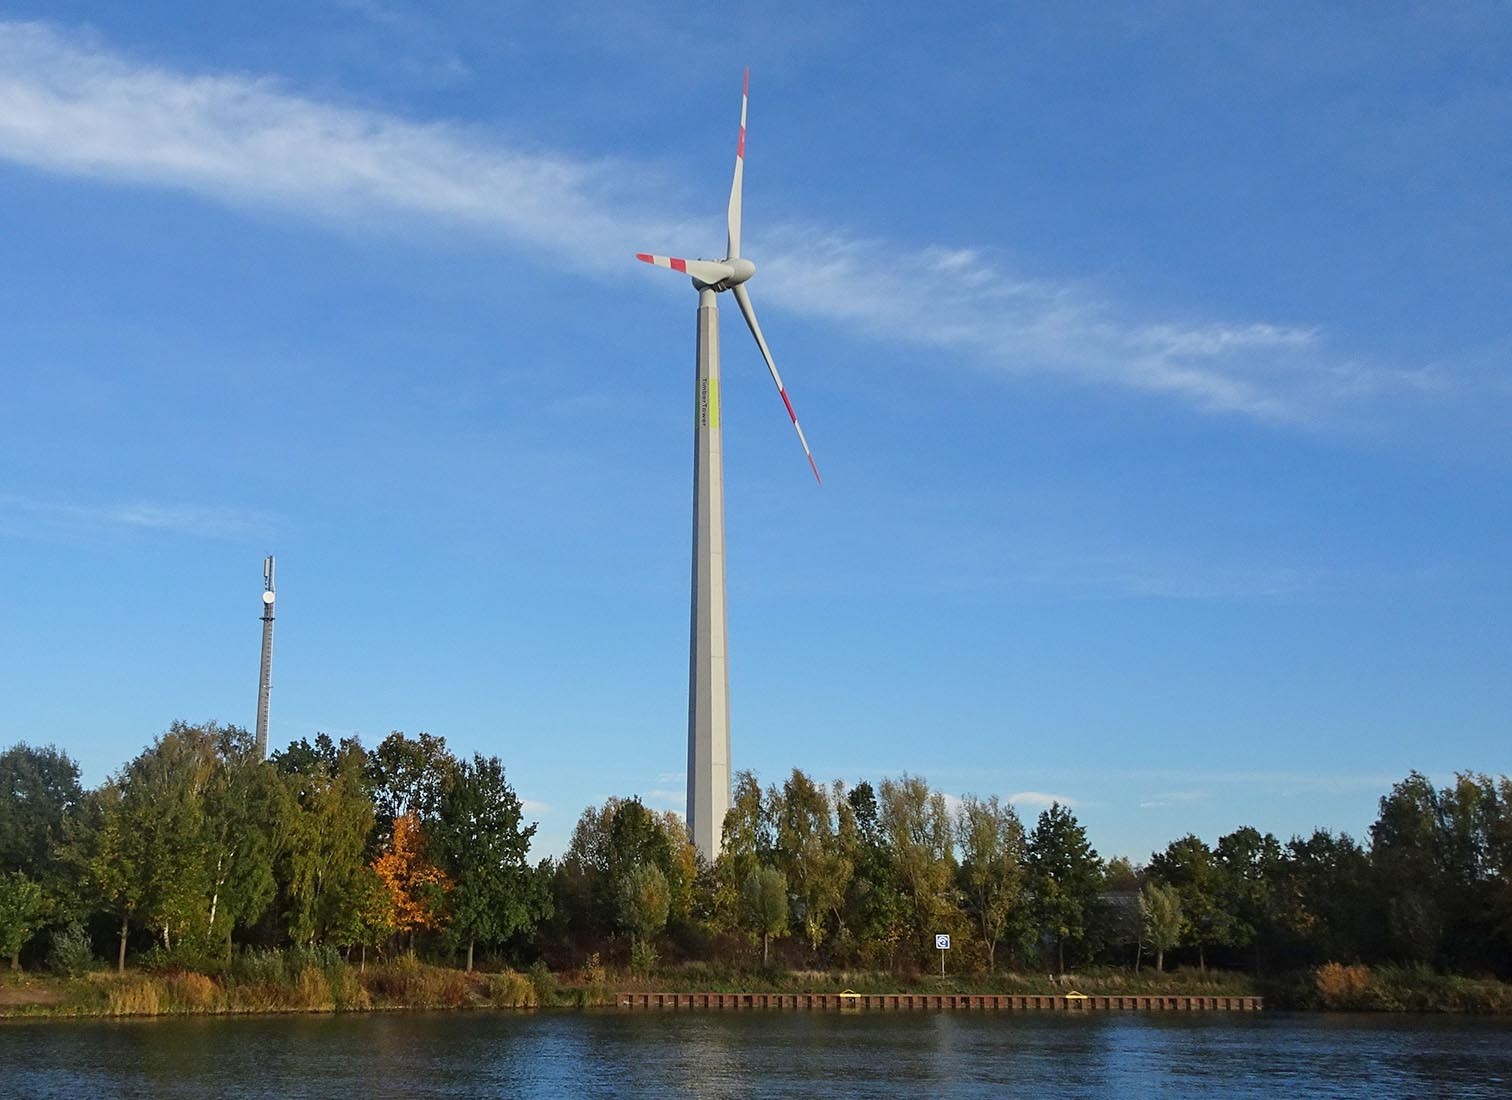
<point x="264" y="681"/>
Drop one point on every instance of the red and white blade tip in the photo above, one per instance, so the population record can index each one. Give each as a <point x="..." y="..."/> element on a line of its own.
<point x="675" y="263"/>
<point x="793" y="416"/>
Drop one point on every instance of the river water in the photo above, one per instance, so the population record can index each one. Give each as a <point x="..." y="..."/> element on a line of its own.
<point x="921" y="1055"/>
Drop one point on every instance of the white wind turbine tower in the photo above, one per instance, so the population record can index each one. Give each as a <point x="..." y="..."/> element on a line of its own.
<point x="708" y="671"/>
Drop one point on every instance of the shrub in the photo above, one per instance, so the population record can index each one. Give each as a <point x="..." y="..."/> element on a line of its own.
<point x="643" y="956"/>
<point x="593" y="970"/>
<point x="512" y="990"/>
<point x="72" y="953"/>
<point x="545" y="983"/>
<point x="1342" y="987"/>
<point x="256" y="966"/>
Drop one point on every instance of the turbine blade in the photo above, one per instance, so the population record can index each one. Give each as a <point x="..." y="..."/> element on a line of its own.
<point x="705" y="271"/>
<point x="732" y="244"/>
<point x="749" y="311"/>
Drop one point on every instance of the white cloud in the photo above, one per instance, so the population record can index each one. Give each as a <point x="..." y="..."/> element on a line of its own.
<point x="70" y="106"/>
<point x="30" y="516"/>
<point x="1040" y="799"/>
<point x="1174" y="798"/>
<point x="665" y="798"/>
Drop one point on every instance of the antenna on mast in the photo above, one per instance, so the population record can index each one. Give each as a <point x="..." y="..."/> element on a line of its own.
<point x="264" y="681"/>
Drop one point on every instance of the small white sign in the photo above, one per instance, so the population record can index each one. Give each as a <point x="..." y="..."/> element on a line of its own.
<point x="942" y="942"/>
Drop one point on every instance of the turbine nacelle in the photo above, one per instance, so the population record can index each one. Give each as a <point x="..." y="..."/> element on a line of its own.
<point x="740" y="271"/>
<point x="706" y="274"/>
<point x="737" y="271"/>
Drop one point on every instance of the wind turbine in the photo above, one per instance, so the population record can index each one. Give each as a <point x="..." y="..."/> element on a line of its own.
<point x="708" y="669"/>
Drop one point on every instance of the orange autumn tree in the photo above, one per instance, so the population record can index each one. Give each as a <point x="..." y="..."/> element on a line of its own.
<point x="417" y="888"/>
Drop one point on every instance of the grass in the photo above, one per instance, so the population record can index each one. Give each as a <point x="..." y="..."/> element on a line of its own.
<point x="1337" y="987"/>
<point x="270" y="982"/>
<point x="314" y="981"/>
<point x="703" y="977"/>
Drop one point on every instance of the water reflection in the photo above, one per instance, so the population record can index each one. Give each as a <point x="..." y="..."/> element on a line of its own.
<point x="408" y="1056"/>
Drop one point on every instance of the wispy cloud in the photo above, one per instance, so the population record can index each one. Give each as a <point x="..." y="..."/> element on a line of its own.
<point x="1040" y="799"/>
<point x="28" y="516"/>
<point x="70" y="105"/>
<point x="1174" y="798"/>
<point x="665" y="798"/>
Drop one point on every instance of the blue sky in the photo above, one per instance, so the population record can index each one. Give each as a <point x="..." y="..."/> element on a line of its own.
<point x="1157" y="364"/>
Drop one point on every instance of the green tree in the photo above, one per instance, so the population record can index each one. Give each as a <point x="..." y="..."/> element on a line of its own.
<point x="244" y="809"/>
<point x="748" y="841"/>
<point x="1065" y="878"/>
<point x="809" y="854"/>
<point x="922" y="845"/>
<point x="764" y="906"/>
<point x="607" y="844"/>
<point x="1160" y="913"/>
<point x="153" y="852"/>
<point x="23" y="908"/>
<point x="992" y="867"/>
<point x="1118" y="921"/>
<point x="482" y="845"/>
<point x="643" y="904"/>
<point x="406" y="775"/>
<point x="40" y="800"/>
<point x="1323" y="898"/>
<point x="1406" y="856"/>
<point x="1188" y="865"/>
<point x="39" y="788"/>
<point x="873" y="908"/>
<point x="327" y="885"/>
<point x="1248" y="864"/>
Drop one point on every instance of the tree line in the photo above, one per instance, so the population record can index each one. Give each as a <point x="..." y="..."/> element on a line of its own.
<point x="196" y="848"/>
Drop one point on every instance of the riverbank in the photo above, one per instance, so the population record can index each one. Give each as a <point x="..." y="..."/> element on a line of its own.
<point x="272" y="985"/>
<point x="296" y="982"/>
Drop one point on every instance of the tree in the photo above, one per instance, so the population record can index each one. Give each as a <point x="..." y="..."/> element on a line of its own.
<point x="39" y="788"/>
<point x="1248" y="864"/>
<point x="1323" y="898"/>
<point x="417" y="887"/>
<point x="748" y="842"/>
<point x="406" y="776"/>
<point x="39" y="799"/>
<point x="1160" y="913"/>
<point x="873" y="910"/>
<point x="1188" y="865"/>
<point x="1405" y="853"/>
<point x="327" y="884"/>
<point x="1065" y="877"/>
<point x="163" y="838"/>
<point x="920" y="840"/>
<point x="643" y="900"/>
<point x="1118" y="921"/>
<point x="809" y="854"/>
<point x="992" y="867"/>
<point x="481" y="844"/>
<point x="23" y="907"/>
<point x="764" y="906"/>
<point x="244" y="808"/>
<point x="607" y="844"/>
